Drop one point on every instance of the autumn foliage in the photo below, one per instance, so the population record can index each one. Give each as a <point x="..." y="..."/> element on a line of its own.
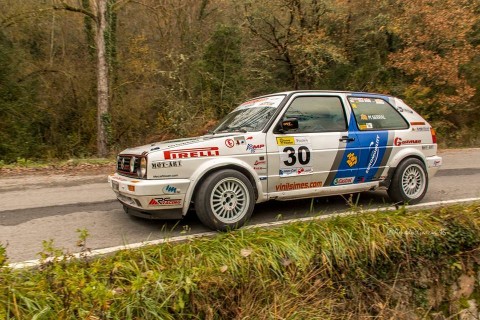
<point x="175" y="67"/>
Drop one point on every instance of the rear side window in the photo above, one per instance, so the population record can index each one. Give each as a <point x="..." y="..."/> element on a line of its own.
<point x="376" y="114"/>
<point x="317" y="114"/>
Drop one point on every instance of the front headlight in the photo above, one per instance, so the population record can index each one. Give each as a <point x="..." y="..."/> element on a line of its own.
<point x="132" y="164"/>
<point x="142" y="170"/>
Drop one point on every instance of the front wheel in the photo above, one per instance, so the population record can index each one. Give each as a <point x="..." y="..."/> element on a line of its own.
<point x="409" y="183"/>
<point x="225" y="200"/>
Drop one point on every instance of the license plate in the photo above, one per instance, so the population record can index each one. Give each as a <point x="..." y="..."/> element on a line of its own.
<point x="115" y="185"/>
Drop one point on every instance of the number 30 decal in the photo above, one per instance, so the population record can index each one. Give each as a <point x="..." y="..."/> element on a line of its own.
<point x="303" y="155"/>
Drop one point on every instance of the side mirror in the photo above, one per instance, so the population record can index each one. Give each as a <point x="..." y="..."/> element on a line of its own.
<point x="289" y="124"/>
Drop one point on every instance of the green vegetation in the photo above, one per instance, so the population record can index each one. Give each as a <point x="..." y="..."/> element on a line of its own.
<point x="176" y="67"/>
<point x="384" y="264"/>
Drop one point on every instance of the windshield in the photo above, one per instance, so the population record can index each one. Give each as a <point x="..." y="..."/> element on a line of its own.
<point x="252" y="115"/>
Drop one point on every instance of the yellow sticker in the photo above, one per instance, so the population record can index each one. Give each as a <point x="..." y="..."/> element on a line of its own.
<point x="363" y="117"/>
<point x="363" y="126"/>
<point x="352" y="159"/>
<point x="285" y="141"/>
<point x="354" y="105"/>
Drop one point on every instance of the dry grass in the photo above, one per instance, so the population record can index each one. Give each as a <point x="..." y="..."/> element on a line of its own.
<point x="343" y="268"/>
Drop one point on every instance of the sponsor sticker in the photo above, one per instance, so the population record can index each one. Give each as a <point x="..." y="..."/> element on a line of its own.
<point x="230" y="143"/>
<point x="165" y="201"/>
<point x="373" y="153"/>
<point x="400" y="142"/>
<point x="259" y="162"/>
<point x="165" y="176"/>
<point x="285" y="141"/>
<point x="288" y="172"/>
<point x="239" y="141"/>
<point x="289" y="186"/>
<point x="420" y="129"/>
<point x="168" y="189"/>
<point x="254" y="147"/>
<point x="268" y="102"/>
<point x="191" y="153"/>
<point x="372" y="117"/>
<point x="340" y="181"/>
<point x="379" y="101"/>
<point x="302" y="140"/>
<point x="369" y="125"/>
<point x="402" y="109"/>
<point x="251" y="103"/>
<point x="376" y="117"/>
<point x="180" y="143"/>
<point x="166" y="164"/>
<point x="352" y="159"/>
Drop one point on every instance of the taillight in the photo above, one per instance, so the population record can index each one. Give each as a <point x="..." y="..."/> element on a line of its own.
<point x="434" y="135"/>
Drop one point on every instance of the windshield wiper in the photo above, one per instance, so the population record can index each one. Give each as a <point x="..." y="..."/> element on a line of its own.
<point x="232" y="129"/>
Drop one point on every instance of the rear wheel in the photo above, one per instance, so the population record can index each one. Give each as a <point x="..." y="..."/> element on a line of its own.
<point x="409" y="183"/>
<point x="225" y="200"/>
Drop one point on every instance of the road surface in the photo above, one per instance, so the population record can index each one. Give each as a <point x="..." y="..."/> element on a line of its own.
<point x="35" y="208"/>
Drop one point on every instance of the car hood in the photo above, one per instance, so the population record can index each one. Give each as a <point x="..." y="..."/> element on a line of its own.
<point x="176" y="143"/>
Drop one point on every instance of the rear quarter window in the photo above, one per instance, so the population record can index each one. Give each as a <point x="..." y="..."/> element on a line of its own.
<point x="376" y="114"/>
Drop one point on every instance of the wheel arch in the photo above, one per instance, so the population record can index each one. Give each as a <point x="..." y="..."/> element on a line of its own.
<point x="408" y="153"/>
<point x="205" y="170"/>
<point x="399" y="158"/>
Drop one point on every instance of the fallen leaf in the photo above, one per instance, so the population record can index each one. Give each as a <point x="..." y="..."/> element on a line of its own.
<point x="246" y="252"/>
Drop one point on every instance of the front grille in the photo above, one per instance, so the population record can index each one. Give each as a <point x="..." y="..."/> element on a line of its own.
<point x="123" y="164"/>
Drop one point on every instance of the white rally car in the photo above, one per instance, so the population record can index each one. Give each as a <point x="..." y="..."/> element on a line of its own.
<point x="283" y="146"/>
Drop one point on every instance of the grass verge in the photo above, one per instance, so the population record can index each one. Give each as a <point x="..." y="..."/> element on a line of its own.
<point x="395" y="264"/>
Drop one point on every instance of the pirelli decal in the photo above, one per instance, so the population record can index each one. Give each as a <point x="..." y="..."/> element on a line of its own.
<point x="191" y="153"/>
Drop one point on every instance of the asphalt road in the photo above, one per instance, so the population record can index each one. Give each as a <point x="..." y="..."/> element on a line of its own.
<point x="37" y="208"/>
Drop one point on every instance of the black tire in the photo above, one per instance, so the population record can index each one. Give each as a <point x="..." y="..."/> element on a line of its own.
<point x="225" y="200"/>
<point x="409" y="183"/>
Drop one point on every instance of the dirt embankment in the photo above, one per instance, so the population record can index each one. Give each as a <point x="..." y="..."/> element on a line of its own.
<point x="60" y="169"/>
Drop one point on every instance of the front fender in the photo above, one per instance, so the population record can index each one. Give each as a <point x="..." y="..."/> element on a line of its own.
<point x="215" y="164"/>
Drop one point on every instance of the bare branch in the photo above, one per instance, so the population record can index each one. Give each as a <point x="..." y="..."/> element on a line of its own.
<point x="10" y="20"/>
<point x="68" y="7"/>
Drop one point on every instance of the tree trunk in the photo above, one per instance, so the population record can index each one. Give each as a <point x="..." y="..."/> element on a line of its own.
<point x="102" y="79"/>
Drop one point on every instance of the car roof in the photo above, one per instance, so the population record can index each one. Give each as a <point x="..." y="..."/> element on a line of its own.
<point x="360" y="93"/>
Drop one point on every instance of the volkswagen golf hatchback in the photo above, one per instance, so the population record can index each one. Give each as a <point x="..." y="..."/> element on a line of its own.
<point x="282" y="146"/>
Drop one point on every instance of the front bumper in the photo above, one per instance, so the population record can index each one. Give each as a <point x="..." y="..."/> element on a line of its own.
<point x="433" y="164"/>
<point x="161" y="199"/>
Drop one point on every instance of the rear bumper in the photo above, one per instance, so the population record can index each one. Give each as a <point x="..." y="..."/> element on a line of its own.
<point x="433" y="164"/>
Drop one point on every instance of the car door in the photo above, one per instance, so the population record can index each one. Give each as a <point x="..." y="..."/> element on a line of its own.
<point x="374" y="121"/>
<point x="300" y="160"/>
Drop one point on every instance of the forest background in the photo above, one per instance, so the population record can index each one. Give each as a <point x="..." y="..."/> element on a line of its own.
<point x="177" y="66"/>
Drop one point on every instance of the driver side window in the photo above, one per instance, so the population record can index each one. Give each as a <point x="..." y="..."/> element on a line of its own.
<point x="317" y="114"/>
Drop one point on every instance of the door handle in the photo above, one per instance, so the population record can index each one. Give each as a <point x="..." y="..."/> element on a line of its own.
<point x="346" y="139"/>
